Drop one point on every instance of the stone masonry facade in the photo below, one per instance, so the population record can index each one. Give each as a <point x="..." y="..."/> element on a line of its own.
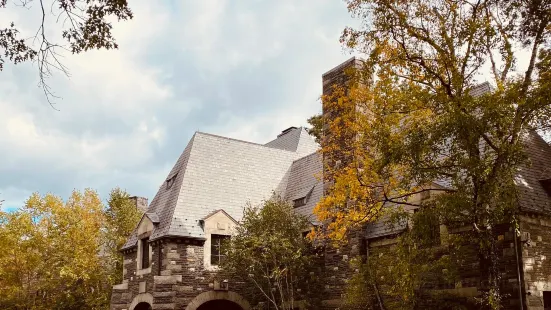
<point x="177" y="278"/>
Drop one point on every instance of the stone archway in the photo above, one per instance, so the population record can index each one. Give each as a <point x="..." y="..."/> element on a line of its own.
<point x="141" y="302"/>
<point x="217" y="299"/>
<point x="219" y="304"/>
<point x="143" y="306"/>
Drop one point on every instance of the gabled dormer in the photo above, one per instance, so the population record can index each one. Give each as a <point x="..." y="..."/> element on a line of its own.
<point x="218" y="227"/>
<point x="144" y="251"/>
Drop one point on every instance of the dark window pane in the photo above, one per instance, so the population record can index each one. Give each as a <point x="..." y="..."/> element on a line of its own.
<point x="299" y="202"/>
<point x="547" y="300"/>
<point x="216" y="250"/>
<point x="145" y="253"/>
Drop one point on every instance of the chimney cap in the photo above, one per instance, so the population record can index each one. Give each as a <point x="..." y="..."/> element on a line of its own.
<point x="285" y="131"/>
<point x="350" y="62"/>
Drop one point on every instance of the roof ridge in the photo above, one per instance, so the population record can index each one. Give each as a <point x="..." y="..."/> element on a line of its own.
<point x="182" y="168"/>
<point x="227" y="138"/>
<point x="305" y="156"/>
<point x="242" y="141"/>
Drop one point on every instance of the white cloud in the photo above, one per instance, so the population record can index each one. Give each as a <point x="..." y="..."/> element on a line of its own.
<point x="245" y="71"/>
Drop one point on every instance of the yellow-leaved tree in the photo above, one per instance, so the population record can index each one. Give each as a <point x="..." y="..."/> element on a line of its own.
<point x="50" y="253"/>
<point x="60" y="254"/>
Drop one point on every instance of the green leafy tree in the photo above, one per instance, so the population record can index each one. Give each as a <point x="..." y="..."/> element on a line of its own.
<point x="269" y="251"/>
<point x="418" y="116"/>
<point x="122" y="216"/>
<point x="86" y="25"/>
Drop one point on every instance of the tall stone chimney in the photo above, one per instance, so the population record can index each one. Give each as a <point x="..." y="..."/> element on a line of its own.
<point x="344" y="76"/>
<point x="140" y="202"/>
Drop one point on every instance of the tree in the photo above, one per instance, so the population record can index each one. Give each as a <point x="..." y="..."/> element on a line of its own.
<point x="64" y="254"/>
<point x="419" y="119"/>
<point x="50" y="254"/>
<point x="122" y="216"/>
<point x="86" y="25"/>
<point x="268" y="251"/>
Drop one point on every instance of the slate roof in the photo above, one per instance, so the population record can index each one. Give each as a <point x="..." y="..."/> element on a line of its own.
<point x="305" y="182"/>
<point x="532" y="195"/>
<point x="295" y="140"/>
<point x="383" y="228"/>
<point x="215" y="172"/>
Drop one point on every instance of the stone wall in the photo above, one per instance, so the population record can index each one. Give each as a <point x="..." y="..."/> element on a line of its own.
<point x="338" y="269"/>
<point x="472" y="281"/>
<point x="176" y="279"/>
<point x="536" y="259"/>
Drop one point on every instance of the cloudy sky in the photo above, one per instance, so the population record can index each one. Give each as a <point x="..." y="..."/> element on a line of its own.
<point x="243" y="69"/>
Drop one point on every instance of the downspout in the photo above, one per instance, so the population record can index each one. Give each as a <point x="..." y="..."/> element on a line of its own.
<point x="519" y="277"/>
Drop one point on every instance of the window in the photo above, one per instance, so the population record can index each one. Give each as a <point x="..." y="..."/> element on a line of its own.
<point x="299" y="202"/>
<point x="546" y="186"/>
<point x="145" y="253"/>
<point x="216" y="249"/>
<point x="170" y="181"/>
<point x="430" y="233"/>
<point x="547" y="300"/>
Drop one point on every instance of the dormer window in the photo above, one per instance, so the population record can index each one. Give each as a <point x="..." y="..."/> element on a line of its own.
<point x="144" y="251"/>
<point x="218" y="227"/>
<point x="170" y="181"/>
<point x="299" y="202"/>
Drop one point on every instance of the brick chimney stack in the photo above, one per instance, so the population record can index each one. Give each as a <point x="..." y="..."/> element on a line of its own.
<point x="140" y="202"/>
<point x="345" y="75"/>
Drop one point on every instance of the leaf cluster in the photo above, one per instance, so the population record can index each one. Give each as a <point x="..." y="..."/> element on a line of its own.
<point x="86" y="25"/>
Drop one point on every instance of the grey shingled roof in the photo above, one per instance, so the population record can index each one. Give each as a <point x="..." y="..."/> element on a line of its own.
<point x="216" y="173"/>
<point x="297" y="140"/>
<point x="383" y="228"/>
<point x="532" y="195"/>
<point x="305" y="180"/>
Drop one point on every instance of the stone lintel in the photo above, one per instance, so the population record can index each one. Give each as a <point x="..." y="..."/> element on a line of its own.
<point x="122" y="286"/>
<point x="163" y="306"/>
<point x="164" y="294"/>
<point x="167" y="279"/>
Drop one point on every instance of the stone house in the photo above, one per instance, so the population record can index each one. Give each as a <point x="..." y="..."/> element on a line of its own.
<point x="170" y="261"/>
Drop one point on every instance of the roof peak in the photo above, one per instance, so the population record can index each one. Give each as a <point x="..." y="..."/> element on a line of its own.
<point x="285" y="131"/>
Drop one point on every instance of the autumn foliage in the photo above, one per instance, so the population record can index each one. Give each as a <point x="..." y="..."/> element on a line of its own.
<point x="60" y="254"/>
<point x="418" y="121"/>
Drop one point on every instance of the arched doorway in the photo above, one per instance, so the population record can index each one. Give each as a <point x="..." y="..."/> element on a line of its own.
<point x="219" y="304"/>
<point x="214" y="300"/>
<point x="143" y="306"/>
<point x="141" y="301"/>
